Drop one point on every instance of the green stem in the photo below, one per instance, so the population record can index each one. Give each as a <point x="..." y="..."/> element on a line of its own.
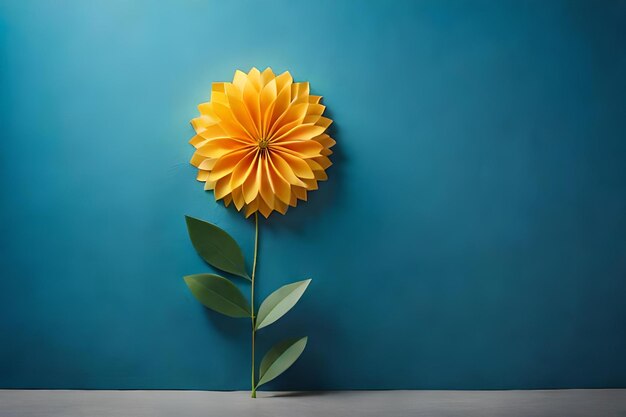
<point x="252" y="316"/>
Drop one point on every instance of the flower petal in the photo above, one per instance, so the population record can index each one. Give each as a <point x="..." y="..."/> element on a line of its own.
<point x="280" y="207"/>
<point x="243" y="168"/>
<point x="285" y="170"/>
<point x="196" y="159"/>
<point x="197" y="140"/>
<point x="208" y="164"/>
<point x="302" y="132"/>
<point x="216" y="148"/>
<point x="325" y="122"/>
<point x="300" y="192"/>
<point x="323" y="161"/>
<point x="264" y="208"/>
<point x="300" y="90"/>
<point x="212" y="132"/>
<point x="293" y="117"/>
<point x="239" y="80"/>
<point x="250" y="186"/>
<point x="301" y="148"/>
<point x="299" y="167"/>
<point x="254" y="78"/>
<point x="325" y="140"/>
<point x="267" y="75"/>
<point x="281" y="104"/>
<point x="318" y="171"/>
<point x="280" y="186"/>
<point x="267" y="99"/>
<point x="251" y="99"/>
<point x="265" y="187"/>
<point x="237" y="195"/>
<point x="229" y="123"/>
<point x="200" y="123"/>
<point x="251" y="208"/>
<point x="284" y="80"/>
<point x="217" y="87"/>
<point x="209" y="185"/>
<point x="222" y="188"/>
<point x="315" y="109"/>
<point x="218" y="94"/>
<point x="311" y="185"/>
<point x="202" y="175"/>
<point x="226" y="164"/>
<point x="240" y="111"/>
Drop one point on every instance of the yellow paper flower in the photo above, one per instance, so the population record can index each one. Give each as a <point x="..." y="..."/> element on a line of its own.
<point x="260" y="142"/>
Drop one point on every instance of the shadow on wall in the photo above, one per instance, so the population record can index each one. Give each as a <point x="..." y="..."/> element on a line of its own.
<point x="311" y="371"/>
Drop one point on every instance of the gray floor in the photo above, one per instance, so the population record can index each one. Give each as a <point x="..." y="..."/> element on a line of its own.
<point x="566" y="403"/>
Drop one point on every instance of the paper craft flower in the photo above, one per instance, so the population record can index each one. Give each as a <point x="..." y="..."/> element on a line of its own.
<point x="260" y="142"/>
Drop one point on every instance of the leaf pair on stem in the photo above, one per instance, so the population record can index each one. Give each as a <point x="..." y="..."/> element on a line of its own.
<point x="219" y="294"/>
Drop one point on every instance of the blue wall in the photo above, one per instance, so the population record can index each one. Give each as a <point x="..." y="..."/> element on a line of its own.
<point x="472" y="233"/>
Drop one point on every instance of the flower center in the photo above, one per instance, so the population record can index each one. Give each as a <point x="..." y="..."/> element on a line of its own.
<point x="264" y="144"/>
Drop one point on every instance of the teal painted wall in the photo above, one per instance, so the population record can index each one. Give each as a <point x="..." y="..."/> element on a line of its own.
<point x="472" y="234"/>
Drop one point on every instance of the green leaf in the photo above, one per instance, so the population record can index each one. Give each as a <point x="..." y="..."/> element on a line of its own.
<point x="218" y="294"/>
<point x="278" y="303"/>
<point x="280" y="358"/>
<point x="216" y="247"/>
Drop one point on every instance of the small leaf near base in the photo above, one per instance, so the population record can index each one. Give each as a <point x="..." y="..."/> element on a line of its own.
<point x="279" y="358"/>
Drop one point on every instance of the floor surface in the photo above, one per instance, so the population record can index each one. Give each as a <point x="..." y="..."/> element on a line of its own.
<point x="565" y="403"/>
